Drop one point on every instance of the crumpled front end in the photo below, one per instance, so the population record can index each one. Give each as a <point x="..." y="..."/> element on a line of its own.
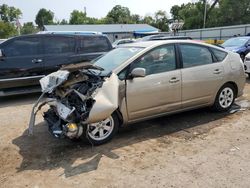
<point x="75" y="99"/>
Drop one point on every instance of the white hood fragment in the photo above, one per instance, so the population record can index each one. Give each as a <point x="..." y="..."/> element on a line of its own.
<point x="106" y="100"/>
<point x="51" y="81"/>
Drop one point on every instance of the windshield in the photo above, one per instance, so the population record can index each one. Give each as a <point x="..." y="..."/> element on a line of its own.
<point x="235" y="42"/>
<point x="116" y="57"/>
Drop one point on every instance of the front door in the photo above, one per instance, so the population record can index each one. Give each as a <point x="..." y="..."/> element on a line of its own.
<point x="160" y="90"/>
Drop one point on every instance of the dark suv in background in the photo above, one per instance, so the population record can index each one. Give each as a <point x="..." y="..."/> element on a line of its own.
<point x="26" y="59"/>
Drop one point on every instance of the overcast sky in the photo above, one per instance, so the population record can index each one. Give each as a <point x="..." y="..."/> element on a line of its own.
<point x="95" y="8"/>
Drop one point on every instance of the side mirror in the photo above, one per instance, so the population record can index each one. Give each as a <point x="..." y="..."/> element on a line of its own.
<point x="138" y="72"/>
<point x="1" y="53"/>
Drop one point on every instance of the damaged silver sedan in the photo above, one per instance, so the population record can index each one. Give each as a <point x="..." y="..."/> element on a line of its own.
<point x="136" y="82"/>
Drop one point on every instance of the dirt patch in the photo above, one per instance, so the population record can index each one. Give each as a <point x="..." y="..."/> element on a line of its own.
<point x="193" y="149"/>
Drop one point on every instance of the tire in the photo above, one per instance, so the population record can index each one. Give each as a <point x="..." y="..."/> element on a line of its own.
<point x="102" y="132"/>
<point x="248" y="75"/>
<point x="224" y="98"/>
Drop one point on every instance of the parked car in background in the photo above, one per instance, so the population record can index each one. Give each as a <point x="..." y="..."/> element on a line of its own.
<point x="139" y="81"/>
<point x="26" y="59"/>
<point x="122" y="41"/>
<point x="240" y="45"/>
<point x="2" y="40"/>
<point x="247" y="64"/>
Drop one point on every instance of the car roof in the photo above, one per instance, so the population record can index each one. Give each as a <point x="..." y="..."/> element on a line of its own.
<point x="149" y="44"/>
<point x="162" y="37"/>
<point x="71" y="32"/>
<point x="66" y="35"/>
<point x="145" y="44"/>
<point x="142" y="44"/>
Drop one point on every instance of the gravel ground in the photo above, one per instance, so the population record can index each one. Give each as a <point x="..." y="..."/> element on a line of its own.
<point x="193" y="149"/>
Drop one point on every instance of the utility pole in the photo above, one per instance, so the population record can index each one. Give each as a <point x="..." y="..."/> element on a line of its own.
<point x="85" y="10"/>
<point x="205" y="14"/>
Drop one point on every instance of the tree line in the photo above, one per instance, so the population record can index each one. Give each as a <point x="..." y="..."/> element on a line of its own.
<point x="218" y="13"/>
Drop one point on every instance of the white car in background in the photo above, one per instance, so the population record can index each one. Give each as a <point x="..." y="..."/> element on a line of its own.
<point x="2" y="40"/>
<point x="122" y="41"/>
<point x="247" y="64"/>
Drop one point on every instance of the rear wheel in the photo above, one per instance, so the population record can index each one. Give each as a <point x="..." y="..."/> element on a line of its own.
<point x="225" y="98"/>
<point x="103" y="131"/>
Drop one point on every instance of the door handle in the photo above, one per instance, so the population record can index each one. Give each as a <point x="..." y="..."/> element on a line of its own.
<point x="217" y="71"/>
<point x="37" y="61"/>
<point x="174" y="80"/>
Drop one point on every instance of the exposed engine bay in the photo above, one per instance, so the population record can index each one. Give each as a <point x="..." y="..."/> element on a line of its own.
<point x="77" y="95"/>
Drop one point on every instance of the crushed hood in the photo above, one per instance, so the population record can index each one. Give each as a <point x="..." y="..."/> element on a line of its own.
<point x="78" y="94"/>
<point x="51" y="81"/>
<point x="83" y="65"/>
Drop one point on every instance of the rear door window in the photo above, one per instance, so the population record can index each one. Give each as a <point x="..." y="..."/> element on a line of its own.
<point x="23" y="47"/>
<point x="93" y="44"/>
<point x="219" y="55"/>
<point x="195" y="55"/>
<point x="59" y="45"/>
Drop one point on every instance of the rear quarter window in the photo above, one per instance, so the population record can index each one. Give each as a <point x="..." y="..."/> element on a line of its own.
<point x="94" y="44"/>
<point x="219" y="55"/>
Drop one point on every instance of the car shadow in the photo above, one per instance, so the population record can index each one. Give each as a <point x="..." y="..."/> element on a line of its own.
<point x="43" y="152"/>
<point x="16" y="100"/>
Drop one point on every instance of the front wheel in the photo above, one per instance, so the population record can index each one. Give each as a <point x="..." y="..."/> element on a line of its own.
<point x="225" y="98"/>
<point x="103" y="131"/>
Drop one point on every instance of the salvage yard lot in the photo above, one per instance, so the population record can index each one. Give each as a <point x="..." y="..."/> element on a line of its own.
<point x="192" y="149"/>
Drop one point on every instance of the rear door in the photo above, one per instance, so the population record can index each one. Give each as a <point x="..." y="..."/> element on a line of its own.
<point x="22" y="63"/>
<point x="58" y="50"/>
<point x="91" y="47"/>
<point x="201" y="75"/>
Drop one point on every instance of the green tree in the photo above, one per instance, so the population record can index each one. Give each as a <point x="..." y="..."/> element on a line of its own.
<point x="91" y="20"/>
<point x="118" y="15"/>
<point x="234" y="12"/>
<point x="192" y="14"/>
<point x="63" y="22"/>
<point x="7" y="30"/>
<point x="161" y="20"/>
<point x="77" y="17"/>
<point x="219" y="13"/>
<point x="9" y="14"/>
<point x="148" y="20"/>
<point x="44" y="17"/>
<point x="175" y="12"/>
<point x="135" y="19"/>
<point x="28" y="28"/>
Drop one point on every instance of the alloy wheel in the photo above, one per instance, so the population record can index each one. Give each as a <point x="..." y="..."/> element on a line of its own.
<point x="226" y="97"/>
<point x="101" y="130"/>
